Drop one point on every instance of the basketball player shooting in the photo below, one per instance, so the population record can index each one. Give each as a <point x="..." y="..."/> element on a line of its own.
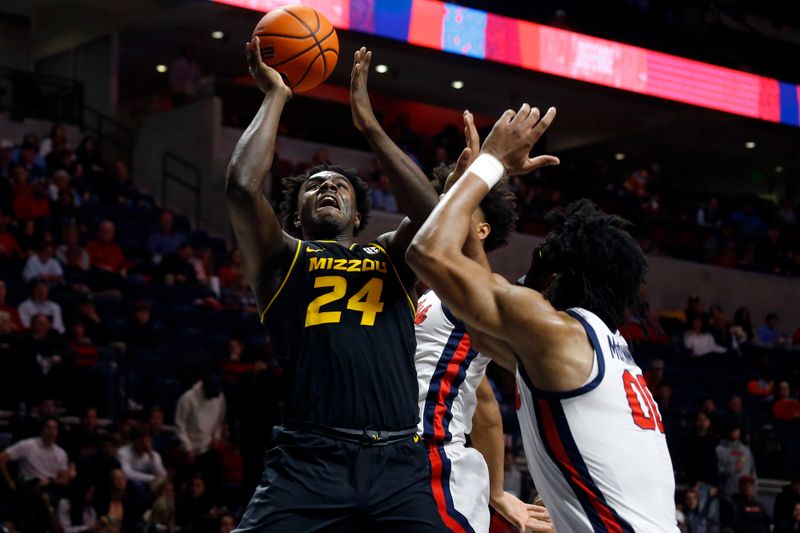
<point x="592" y="433"/>
<point x="348" y="457"/>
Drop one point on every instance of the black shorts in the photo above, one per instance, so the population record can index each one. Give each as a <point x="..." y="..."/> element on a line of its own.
<point x="317" y="483"/>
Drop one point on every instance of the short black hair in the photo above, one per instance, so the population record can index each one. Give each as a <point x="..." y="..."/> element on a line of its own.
<point x="598" y="265"/>
<point x="47" y="419"/>
<point x="291" y="191"/>
<point x="499" y="208"/>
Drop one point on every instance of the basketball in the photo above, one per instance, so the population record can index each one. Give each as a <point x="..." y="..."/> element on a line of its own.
<point x="300" y="43"/>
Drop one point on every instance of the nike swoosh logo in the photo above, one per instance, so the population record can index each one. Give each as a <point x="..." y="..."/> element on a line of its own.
<point x="312" y="250"/>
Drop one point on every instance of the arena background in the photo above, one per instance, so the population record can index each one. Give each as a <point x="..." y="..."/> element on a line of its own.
<point x="662" y="107"/>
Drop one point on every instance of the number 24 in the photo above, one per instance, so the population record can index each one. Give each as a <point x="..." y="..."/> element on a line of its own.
<point x="367" y="301"/>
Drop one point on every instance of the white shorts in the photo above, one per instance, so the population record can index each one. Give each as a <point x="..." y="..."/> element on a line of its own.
<point x="460" y="485"/>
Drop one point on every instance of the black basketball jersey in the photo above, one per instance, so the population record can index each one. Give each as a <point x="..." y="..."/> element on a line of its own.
<point x="346" y="324"/>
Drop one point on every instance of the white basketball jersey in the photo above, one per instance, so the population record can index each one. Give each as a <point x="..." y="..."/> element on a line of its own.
<point x="448" y="372"/>
<point x="598" y="454"/>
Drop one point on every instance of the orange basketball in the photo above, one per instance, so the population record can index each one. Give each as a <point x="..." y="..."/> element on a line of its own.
<point x="299" y="43"/>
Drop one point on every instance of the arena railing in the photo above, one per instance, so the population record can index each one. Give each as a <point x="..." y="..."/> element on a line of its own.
<point x="30" y="95"/>
<point x="176" y="169"/>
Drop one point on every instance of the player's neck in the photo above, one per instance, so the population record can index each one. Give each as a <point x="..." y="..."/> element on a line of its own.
<point x="343" y="239"/>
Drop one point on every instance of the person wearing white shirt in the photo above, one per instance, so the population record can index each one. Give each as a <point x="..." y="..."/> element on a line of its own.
<point x="43" y="266"/>
<point x="200" y="416"/>
<point x="701" y="343"/>
<point x="38" y="304"/>
<point x="138" y="459"/>
<point x="39" y="458"/>
<point x="76" y="513"/>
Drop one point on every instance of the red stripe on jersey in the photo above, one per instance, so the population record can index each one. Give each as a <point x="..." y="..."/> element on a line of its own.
<point x="444" y="388"/>
<point x="438" y="490"/>
<point x="551" y="434"/>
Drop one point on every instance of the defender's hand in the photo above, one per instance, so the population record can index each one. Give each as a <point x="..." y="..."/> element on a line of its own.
<point x="513" y="137"/>
<point x="468" y="154"/>
<point x="360" y="106"/>
<point x="267" y="78"/>
<point x="523" y="515"/>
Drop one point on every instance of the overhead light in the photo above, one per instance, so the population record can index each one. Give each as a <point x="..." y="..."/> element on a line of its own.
<point x="161" y="68"/>
<point x="779" y="169"/>
<point x="381" y="69"/>
<point x="457" y="84"/>
<point x="619" y="156"/>
<point x="217" y="34"/>
<point x="750" y="145"/>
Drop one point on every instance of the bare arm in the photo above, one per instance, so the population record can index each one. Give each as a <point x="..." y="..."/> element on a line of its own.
<point x="258" y="230"/>
<point x="415" y="194"/>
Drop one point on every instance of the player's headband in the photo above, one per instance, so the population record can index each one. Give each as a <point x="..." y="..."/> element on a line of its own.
<point x="325" y="173"/>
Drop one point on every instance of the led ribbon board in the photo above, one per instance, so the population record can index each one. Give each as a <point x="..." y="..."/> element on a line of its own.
<point x="475" y="33"/>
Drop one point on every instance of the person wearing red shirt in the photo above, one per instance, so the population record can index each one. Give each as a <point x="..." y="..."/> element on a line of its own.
<point x="104" y="253"/>
<point x="30" y="201"/>
<point x="9" y="247"/>
<point x="785" y="407"/>
<point x="10" y="309"/>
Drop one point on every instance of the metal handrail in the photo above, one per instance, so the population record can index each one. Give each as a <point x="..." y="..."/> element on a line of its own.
<point x="97" y="122"/>
<point x="167" y="175"/>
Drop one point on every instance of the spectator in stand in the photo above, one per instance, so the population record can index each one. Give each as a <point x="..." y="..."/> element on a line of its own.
<point x="30" y="200"/>
<point x="792" y="525"/>
<point x="786" y="503"/>
<point x="89" y="164"/>
<point x="55" y="141"/>
<point x="164" y="240"/>
<point x="203" y="263"/>
<point x="636" y="184"/>
<point x="700" y="343"/>
<point x="750" y="515"/>
<point x="44" y="355"/>
<point x="720" y="328"/>
<point x="194" y="507"/>
<point x="83" y="354"/>
<point x="29" y="237"/>
<point x="232" y="269"/>
<point x="104" y="253"/>
<point x="199" y="421"/>
<point x="786" y="407"/>
<point x="119" y="186"/>
<point x="176" y="268"/>
<point x="185" y="76"/>
<point x="741" y="319"/>
<point x="140" y="462"/>
<point x="227" y="523"/>
<point x="12" y="311"/>
<point x="735" y="461"/>
<point x="40" y="458"/>
<point x="116" y="505"/>
<point x="734" y="415"/>
<point x="768" y="334"/>
<point x="694" y="309"/>
<point x="381" y="196"/>
<point x="76" y="513"/>
<point x="139" y="332"/>
<point x="42" y="266"/>
<point x="162" y="515"/>
<point x="9" y="247"/>
<point x="70" y="241"/>
<point x="240" y="297"/>
<point x="66" y="211"/>
<point x="700" y="517"/>
<point x="709" y="215"/>
<point x="7" y="327"/>
<point x="28" y="158"/>
<point x="746" y="221"/>
<point x="85" y="440"/>
<point x="699" y="452"/>
<point x="233" y="368"/>
<point x="163" y="441"/>
<point x="100" y="465"/>
<point x="88" y="316"/>
<point x="31" y="425"/>
<point x="654" y="376"/>
<point x="38" y="304"/>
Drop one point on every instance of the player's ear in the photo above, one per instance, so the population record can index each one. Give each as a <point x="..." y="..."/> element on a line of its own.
<point x="297" y="220"/>
<point x="357" y="220"/>
<point x="484" y="229"/>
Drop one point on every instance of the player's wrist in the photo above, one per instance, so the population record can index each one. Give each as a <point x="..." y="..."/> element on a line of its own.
<point x="488" y="168"/>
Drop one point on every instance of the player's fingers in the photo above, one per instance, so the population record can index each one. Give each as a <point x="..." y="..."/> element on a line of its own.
<point x="543" y="124"/>
<point x="462" y="163"/>
<point x="539" y="526"/>
<point x="367" y="59"/>
<point x="532" y="118"/>
<point x="471" y="133"/>
<point x="541" y="161"/>
<point x="522" y="114"/>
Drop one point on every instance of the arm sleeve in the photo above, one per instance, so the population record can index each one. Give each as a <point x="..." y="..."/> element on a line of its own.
<point x="58" y="322"/>
<point x="30" y="271"/>
<point x="181" y="413"/>
<point x="16" y="450"/>
<point x="158" y="465"/>
<point x="25" y="314"/>
<point x="124" y="459"/>
<point x="218" y="427"/>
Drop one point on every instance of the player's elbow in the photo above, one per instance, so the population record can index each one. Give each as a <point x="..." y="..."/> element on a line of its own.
<point x="422" y="257"/>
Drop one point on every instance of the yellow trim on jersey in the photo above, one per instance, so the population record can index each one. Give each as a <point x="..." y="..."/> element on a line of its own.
<point x="399" y="279"/>
<point x="285" y="279"/>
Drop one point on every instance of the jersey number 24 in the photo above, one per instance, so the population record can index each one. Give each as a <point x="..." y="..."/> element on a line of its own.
<point x="643" y="406"/>
<point x="366" y="301"/>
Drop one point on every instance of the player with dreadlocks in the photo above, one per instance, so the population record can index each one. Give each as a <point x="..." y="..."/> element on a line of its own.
<point x="455" y="396"/>
<point x="591" y="429"/>
<point x="347" y="457"/>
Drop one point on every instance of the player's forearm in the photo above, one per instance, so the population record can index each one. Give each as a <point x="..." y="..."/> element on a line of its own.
<point x="487" y="438"/>
<point x="252" y="158"/>
<point x="415" y="195"/>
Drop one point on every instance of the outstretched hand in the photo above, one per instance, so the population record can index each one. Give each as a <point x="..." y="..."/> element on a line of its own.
<point x="360" y="106"/>
<point x="523" y="516"/>
<point x="513" y="137"/>
<point x="267" y="78"/>
<point x="468" y="154"/>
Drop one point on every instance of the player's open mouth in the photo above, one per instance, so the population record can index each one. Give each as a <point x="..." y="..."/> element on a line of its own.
<point x="328" y="201"/>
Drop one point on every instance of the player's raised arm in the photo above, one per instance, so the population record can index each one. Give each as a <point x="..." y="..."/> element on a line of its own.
<point x="415" y="194"/>
<point x="257" y="227"/>
<point x="436" y="253"/>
